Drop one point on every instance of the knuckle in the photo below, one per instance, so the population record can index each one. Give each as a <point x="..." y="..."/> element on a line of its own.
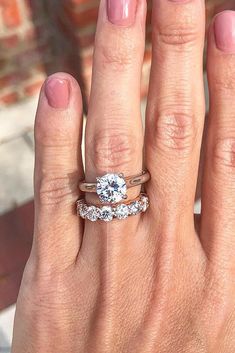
<point x="53" y="190"/>
<point x="118" y="60"/>
<point x="178" y="35"/>
<point x="53" y="135"/>
<point x="113" y="150"/>
<point x="118" y="54"/>
<point x="224" y="155"/>
<point x="175" y="131"/>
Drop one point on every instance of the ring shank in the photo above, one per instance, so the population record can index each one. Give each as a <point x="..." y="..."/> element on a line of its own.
<point x="130" y="182"/>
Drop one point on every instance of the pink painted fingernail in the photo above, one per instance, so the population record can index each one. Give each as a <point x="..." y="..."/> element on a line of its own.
<point x="57" y="92"/>
<point x="225" y="31"/>
<point x="122" y="12"/>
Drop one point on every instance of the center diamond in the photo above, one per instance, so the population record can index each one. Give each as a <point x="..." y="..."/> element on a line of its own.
<point x="111" y="188"/>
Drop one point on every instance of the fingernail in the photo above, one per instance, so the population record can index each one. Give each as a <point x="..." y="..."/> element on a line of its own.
<point x="57" y="92"/>
<point x="225" y="31"/>
<point x="121" y="12"/>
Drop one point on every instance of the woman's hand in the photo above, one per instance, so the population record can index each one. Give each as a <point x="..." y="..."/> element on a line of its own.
<point x="154" y="282"/>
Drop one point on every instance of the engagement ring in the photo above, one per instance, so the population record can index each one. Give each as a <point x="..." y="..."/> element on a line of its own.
<point x="112" y="188"/>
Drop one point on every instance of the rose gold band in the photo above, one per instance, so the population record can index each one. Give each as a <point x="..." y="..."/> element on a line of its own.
<point x="130" y="182"/>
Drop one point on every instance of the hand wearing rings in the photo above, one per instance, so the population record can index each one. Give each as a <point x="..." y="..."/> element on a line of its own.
<point x="104" y="276"/>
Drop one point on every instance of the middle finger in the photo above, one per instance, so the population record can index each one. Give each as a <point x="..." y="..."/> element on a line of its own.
<point x="176" y="107"/>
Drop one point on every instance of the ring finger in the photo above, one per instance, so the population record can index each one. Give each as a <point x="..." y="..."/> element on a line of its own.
<point x="114" y="135"/>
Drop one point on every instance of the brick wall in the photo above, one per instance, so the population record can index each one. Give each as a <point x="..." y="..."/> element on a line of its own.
<point x="215" y="6"/>
<point x="26" y="48"/>
<point x="29" y="47"/>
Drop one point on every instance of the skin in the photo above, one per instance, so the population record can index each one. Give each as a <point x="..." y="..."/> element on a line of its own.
<point x="160" y="281"/>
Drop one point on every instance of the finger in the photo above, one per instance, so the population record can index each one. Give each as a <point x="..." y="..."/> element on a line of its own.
<point x="218" y="208"/>
<point x="175" y="112"/>
<point x="58" y="168"/>
<point x="114" y="136"/>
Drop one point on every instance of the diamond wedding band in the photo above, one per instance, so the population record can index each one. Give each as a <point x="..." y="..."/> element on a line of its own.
<point x="108" y="213"/>
<point x="112" y="188"/>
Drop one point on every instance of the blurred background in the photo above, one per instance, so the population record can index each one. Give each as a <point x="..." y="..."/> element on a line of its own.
<point x="38" y="38"/>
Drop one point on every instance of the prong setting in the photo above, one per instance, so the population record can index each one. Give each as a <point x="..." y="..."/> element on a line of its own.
<point x="111" y="188"/>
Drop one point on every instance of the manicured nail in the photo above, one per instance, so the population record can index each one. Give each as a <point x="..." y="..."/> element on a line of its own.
<point x="225" y="31"/>
<point x="121" y="12"/>
<point x="57" y="92"/>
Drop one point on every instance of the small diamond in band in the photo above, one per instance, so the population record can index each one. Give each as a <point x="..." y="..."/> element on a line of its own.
<point x="83" y="209"/>
<point x="106" y="213"/>
<point x="135" y="208"/>
<point x="145" y="202"/>
<point x="93" y="213"/>
<point x="122" y="211"/>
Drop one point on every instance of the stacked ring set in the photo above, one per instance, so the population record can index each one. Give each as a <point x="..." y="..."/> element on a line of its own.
<point x="112" y="192"/>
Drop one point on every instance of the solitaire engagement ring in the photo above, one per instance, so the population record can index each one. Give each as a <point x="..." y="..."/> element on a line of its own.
<point x="112" y="188"/>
